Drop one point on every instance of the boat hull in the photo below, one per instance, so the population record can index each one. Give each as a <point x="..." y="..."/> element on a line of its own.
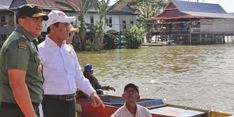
<point x="156" y="107"/>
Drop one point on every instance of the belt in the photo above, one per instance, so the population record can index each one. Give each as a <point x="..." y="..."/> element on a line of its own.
<point x="68" y="97"/>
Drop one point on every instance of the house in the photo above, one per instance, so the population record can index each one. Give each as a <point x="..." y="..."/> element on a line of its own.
<point x="6" y="17"/>
<point x="47" y="6"/>
<point x="120" y="18"/>
<point x="6" y="20"/>
<point x="194" y="23"/>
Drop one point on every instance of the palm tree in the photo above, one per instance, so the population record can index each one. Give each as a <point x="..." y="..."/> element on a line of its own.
<point x="81" y="10"/>
<point x="102" y="9"/>
<point x="147" y="9"/>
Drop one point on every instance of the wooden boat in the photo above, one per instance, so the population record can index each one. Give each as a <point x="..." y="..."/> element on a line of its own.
<point x="156" y="106"/>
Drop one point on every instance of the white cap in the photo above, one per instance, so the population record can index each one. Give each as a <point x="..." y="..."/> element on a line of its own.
<point x="58" y="16"/>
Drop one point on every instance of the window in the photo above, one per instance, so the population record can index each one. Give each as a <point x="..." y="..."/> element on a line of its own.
<point x="124" y="25"/>
<point x="91" y="20"/>
<point x="132" y="22"/>
<point x="110" y="21"/>
<point x="2" y="20"/>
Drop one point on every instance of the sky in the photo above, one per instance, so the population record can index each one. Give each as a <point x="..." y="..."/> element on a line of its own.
<point x="228" y="5"/>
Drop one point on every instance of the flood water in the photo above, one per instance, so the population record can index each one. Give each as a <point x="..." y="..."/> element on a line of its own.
<point x="198" y="76"/>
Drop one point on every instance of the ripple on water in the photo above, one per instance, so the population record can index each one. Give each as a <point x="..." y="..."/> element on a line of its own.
<point x="199" y="76"/>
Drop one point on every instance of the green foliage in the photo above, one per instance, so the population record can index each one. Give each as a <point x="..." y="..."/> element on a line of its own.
<point x="147" y="9"/>
<point x="97" y="42"/>
<point x="135" y="37"/>
<point x="81" y="9"/>
<point x="109" y="39"/>
<point x="88" y="46"/>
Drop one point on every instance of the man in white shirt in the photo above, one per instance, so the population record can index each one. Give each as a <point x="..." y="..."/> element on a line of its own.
<point x="61" y="69"/>
<point x="131" y="108"/>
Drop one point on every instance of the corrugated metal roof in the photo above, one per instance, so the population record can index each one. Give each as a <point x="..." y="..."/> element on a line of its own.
<point x="211" y="15"/>
<point x="5" y="4"/>
<point x="121" y="8"/>
<point x="178" y="9"/>
<point x="198" y="7"/>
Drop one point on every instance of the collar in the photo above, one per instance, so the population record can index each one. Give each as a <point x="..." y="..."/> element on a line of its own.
<point x="49" y="41"/>
<point x="21" y="30"/>
<point x="129" y="111"/>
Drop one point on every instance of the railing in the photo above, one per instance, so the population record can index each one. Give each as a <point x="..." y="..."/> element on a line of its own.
<point x="195" y="29"/>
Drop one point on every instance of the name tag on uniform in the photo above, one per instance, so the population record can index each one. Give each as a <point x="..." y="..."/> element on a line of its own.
<point x="22" y="46"/>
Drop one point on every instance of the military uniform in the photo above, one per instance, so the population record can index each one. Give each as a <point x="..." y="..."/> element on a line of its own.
<point x="19" y="52"/>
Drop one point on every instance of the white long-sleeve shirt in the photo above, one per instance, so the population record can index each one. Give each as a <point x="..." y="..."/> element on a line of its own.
<point x="61" y="69"/>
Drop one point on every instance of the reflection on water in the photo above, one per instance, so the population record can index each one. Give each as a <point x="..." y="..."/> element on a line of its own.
<point x="199" y="76"/>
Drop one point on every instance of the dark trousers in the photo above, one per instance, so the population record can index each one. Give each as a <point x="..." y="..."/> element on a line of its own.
<point x="58" y="108"/>
<point x="13" y="110"/>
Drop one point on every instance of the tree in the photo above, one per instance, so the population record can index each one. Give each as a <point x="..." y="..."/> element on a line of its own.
<point x="81" y="9"/>
<point x="102" y="9"/>
<point x="135" y="36"/>
<point x="147" y="9"/>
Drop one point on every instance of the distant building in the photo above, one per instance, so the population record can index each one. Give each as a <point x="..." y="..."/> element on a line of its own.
<point x="6" y="17"/>
<point x="120" y="17"/>
<point x="124" y="16"/>
<point x="194" y="23"/>
<point x="6" y="20"/>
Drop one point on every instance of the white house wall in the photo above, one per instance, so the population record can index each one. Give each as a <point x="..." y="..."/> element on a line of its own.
<point x="115" y="21"/>
<point x="87" y="18"/>
<point x="128" y="19"/>
<point x="9" y="21"/>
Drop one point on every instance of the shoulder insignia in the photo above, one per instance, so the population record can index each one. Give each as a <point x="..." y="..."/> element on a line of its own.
<point x="39" y="68"/>
<point x="22" y="46"/>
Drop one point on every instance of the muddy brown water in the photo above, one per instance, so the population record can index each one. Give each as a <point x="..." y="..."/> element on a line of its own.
<point x="197" y="76"/>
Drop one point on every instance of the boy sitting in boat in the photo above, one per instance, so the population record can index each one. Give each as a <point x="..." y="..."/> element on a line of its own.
<point x="131" y="108"/>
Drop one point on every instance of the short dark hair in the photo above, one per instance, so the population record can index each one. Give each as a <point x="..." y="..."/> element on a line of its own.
<point x="131" y="85"/>
<point x="55" y="24"/>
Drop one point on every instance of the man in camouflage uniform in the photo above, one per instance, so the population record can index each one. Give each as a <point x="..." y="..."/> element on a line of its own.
<point x="20" y="66"/>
